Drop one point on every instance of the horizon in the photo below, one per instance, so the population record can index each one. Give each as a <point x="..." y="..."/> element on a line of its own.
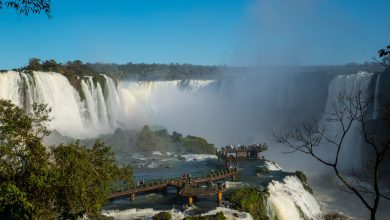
<point x="372" y="62"/>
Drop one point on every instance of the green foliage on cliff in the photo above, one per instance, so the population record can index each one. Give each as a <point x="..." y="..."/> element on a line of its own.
<point x="162" y="216"/>
<point x="147" y="140"/>
<point x="250" y="199"/>
<point x="218" y="216"/>
<point x="262" y="170"/>
<point x="302" y="177"/>
<point x="63" y="182"/>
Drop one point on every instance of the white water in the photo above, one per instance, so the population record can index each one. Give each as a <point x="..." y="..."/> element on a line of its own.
<point x="49" y="88"/>
<point x="272" y="166"/>
<point x="148" y="213"/>
<point x="156" y="102"/>
<point x="352" y="145"/>
<point x="140" y="214"/>
<point x="101" y="108"/>
<point x="198" y="157"/>
<point x="286" y="196"/>
<point x="283" y="201"/>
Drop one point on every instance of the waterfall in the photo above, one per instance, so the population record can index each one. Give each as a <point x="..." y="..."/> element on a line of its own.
<point x="351" y="154"/>
<point x="158" y="102"/>
<point x="288" y="200"/>
<point x="112" y="101"/>
<point x="99" y="107"/>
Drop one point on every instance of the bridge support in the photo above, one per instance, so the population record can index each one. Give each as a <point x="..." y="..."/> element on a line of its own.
<point x="132" y="197"/>
<point x="190" y="201"/>
<point x="233" y="178"/>
<point x="219" y="197"/>
<point x="165" y="190"/>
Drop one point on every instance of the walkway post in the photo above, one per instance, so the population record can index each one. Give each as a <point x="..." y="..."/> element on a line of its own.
<point x="219" y="197"/>
<point x="132" y="197"/>
<point x="190" y="201"/>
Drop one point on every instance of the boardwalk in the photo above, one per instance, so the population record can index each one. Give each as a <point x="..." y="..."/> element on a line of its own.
<point x="186" y="187"/>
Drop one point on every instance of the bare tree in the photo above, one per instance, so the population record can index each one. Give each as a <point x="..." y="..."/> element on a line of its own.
<point x="349" y="108"/>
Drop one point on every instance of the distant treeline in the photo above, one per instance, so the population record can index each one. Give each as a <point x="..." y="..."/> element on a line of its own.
<point x="73" y="70"/>
<point x="140" y="71"/>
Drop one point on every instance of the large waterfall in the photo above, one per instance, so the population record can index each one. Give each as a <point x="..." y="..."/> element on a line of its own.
<point x="351" y="153"/>
<point x="234" y="110"/>
<point x="99" y="107"/>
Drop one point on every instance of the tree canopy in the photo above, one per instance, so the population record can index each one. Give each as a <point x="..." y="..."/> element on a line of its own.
<point x="37" y="182"/>
<point x="384" y="52"/>
<point x="27" y="7"/>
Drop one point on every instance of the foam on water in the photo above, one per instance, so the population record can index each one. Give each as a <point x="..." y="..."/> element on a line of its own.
<point x="140" y="213"/>
<point x="157" y="153"/>
<point x="230" y="214"/>
<point x="272" y="166"/>
<point x="148" y="213"/>
<point x="198" y="157"/>
<point x="289" y="200"/>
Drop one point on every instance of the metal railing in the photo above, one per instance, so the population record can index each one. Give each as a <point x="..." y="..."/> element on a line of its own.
<point x="177" y="182"/>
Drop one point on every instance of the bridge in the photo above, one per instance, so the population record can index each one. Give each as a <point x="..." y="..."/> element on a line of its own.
<point x="186" y="186"/>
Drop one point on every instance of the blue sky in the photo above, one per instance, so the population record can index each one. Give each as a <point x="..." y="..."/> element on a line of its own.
<point x="233" y="32"/>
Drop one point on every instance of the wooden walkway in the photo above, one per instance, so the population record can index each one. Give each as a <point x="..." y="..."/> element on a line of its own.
<point x="196" y="191"/>
<point x="180" y="183"/>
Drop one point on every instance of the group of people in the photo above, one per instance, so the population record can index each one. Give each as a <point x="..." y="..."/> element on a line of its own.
<point x="141" y="182"/>
<point x="186" y="176"/>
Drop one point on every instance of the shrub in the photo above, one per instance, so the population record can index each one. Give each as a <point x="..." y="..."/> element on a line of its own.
<point x="162" y="216"/>
<point x="250" y="199"/>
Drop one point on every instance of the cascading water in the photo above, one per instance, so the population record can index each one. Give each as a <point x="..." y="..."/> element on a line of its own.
<point x="351" y="153"/>
<point x="288" y="200"/>
<point x="99" y="107"/>
<point x="49" y="88"/>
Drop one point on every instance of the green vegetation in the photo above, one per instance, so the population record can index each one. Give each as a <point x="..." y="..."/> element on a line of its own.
<point x="162" y="216"/>
<point x="147" y="140"/>
<point x="302" y="177"/>
<point x="74" y="70"/>
<point x="218" y="216"/>
<point x="262" y="170"/>
<point x="143" y="71"/>
<point x="336" y="216"/>
<point x="66" y="182"/>
<point x="250" y="199"/>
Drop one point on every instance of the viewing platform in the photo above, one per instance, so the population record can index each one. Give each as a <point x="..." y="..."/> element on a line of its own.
<point x="189" y="187"/>
<point x="242" y="152"/>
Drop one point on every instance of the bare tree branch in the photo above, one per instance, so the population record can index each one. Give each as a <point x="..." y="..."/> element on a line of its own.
<point x="350" y="108"/>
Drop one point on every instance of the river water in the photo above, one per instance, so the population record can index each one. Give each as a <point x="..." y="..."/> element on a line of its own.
<point x="162" y="166"/>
